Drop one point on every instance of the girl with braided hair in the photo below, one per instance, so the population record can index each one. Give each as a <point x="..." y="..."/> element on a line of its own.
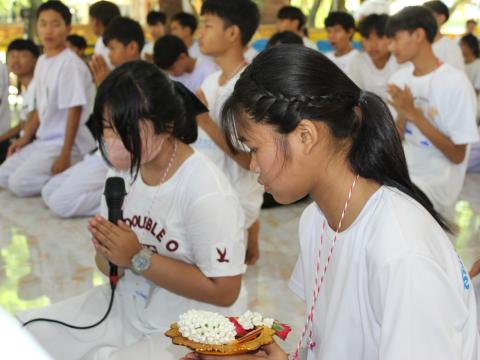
<point x="379" y="276"/>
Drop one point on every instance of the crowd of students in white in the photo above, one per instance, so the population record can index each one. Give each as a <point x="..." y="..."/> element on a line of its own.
<point x="52" y="152"/>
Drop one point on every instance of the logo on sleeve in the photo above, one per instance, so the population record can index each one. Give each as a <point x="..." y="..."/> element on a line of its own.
<point x="222" y="256"/>
<point x="466" y="280"/>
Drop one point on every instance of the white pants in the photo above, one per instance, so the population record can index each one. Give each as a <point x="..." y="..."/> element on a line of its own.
<point x="28" y="170"/>
<point x="77" y="191"/>
<point x="122" y="336"/>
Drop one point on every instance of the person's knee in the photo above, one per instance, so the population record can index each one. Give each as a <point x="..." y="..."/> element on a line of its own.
<point x="20" y="185"/>
<point x="61" y="204"/>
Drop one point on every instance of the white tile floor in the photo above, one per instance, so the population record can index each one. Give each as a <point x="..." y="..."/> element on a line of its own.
<point x="44" y="259"/>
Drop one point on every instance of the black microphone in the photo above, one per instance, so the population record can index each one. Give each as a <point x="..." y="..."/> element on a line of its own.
<point x="114" y="196"/>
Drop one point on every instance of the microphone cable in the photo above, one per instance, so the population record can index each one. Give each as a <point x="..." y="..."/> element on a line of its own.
<point x="113" y="286"/>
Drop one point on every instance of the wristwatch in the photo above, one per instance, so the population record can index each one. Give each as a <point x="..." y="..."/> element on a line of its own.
<point x="141" y="261"/>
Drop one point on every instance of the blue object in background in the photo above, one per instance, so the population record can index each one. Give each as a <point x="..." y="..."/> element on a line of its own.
<point x="322" y="45"/>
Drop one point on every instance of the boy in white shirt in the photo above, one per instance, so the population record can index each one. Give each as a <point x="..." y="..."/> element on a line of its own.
<point x="101" y="14"/>
<point x="471" y="52"/>
<point x="22" y="56"/>
<point x="229" y="26"/>
<point x="157" y="22"/>
<point x="4" y="110"/>
<point x="437" y="125"/>
<point x="371" y="69"/>
<point x="171" y="55"/>
<point x="291" y="18"/>
<point x="184" y="25"/>
<point x="78" y="191"/>
<point x="63" y="98"/>
<point x="444" y="48"/>
<point x="340" y="29"/>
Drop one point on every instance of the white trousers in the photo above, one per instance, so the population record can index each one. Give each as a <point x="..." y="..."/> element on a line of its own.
<point x="122" y="336"/>
<point x="77" y="191"/>
<point x="474" y="160"/>
<point x="28" y="170"/>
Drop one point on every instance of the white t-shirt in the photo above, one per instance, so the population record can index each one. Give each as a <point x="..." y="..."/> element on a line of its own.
<point x="394" y="289"/>
<point x="448" y="51"/>
<point x="473" y="73"/>
<point x="309" y="43"/>
<point x="368" y="77"/>
<point x="17" y="343"/>
<point x="343" y="62"/>
<point x="4" y="105"/>
<point x="101" y="49"/>
<point x="171" y="220"/>
<point x="243" y="181"/>
<point x="451" y="112"/>
<point x="63" y="81"/>
<point x="28" y="104"/>
<point x="147" y="50"/>
<point x="193" y="81"/>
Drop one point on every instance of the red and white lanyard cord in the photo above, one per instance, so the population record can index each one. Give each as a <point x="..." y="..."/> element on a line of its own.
<point x="319" y="281"/>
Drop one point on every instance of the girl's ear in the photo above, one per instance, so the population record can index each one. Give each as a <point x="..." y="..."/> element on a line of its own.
<point x="307" y="135"/>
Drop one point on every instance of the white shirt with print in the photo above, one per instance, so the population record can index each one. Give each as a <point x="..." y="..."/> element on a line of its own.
<point x="343" y="62"/>
<point x="63" y="81"/>
<point x="243" y="181"/>
<point x="368" y="77"/>
<point x="395" y="288"/>
<point x="449" y="104"/>
<point x="194" y="217"/>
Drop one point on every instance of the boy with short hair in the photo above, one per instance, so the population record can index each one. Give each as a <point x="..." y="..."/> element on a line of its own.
<point x="101" y="14"/>
<point x="446" y="49"/>
<point x="184" y="25"/>
<point x="340" y="29"/>
<point x="229" y="26"/>
<point x="77" y="44"/>
<point x="291" y="18"/>
<point x="171" y="55"/>
<point x="371" y="69"/>
<point x="78" y="191"/>
<point x="157" y="22"/>
<point x="63" y="97"/>
<point x="437" y="125"/>
<point x="22" y="57"/>
<point x="471" y="27"/>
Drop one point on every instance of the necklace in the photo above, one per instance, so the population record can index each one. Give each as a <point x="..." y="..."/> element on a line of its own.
<point x="319" y="280"/>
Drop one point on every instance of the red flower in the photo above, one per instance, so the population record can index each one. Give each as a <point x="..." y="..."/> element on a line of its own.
<point x="238" y="328"/>
<point x="282" y="330"/>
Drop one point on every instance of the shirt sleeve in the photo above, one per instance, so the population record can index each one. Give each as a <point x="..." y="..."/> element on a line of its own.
<point x="215" y="228"/>
<point x="420" y="312"/>
<point x="72" y="85"/>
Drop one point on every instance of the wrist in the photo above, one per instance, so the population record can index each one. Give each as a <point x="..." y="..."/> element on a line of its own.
<point x="141" y="261"/>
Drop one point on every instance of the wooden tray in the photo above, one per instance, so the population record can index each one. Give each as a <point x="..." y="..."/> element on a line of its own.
<point x="250" y="342"/>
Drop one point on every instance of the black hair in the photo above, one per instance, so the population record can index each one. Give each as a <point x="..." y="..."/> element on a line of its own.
<point x="471" y="42"/>
<point x="242" y="13"/>
<point x="345" y="20"/>
<point x="154" y="17"/>
<point x="104" y="11"/>
<point x="411" y="18"/>
<point x="438" y="7"/>
<point x="139" y="91"/>
<point x="124" y="30"/>
<point x="292" y="13"/>
<point x="24" y="45"/>
<point x="286" y="84"/>
<point x="58" y="7"/>
<point x="166" y="51"/>
<point x="284" y="37"/>
<point x="373" y="23"/>
<point x="77" y="41"/>
<point x="186" y="20"/>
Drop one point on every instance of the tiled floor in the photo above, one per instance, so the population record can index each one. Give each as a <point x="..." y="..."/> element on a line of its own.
<point x="45" y="259"/>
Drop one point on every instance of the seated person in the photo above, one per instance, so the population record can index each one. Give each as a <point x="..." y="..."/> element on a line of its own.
<point x="284" y="37"/>
<point x="171" y="55"/>
<point x="340" y="29"/>
<point x="77" y="44"/>
<point x="291" y="18"/>
<point x="157" y="22"/>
